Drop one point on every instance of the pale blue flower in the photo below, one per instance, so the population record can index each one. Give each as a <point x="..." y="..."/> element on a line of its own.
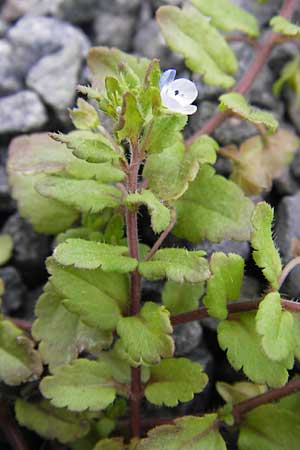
<point x="177" y="95"/>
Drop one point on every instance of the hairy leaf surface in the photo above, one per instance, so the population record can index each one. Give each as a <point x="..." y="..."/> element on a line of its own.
<point x="282" y="25"/>
<point x="181" y="297"/>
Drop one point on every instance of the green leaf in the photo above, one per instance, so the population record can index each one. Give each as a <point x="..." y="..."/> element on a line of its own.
<point x="297" y="334"/>
<point x="181" y="297"/>
<point x="226" y="16"/>
<point x="239" y="337"/>
<point x="175" y="380"/>
<point x="110" y="444"/>
<point x="216" y="207"/>
<point x="84" y="117"/>
<point x="91" y="255"/>
<point x="114" y="231"/>
<point x="146" y="336"/>
<point x="163" y="132"/>
<point x="50" y="422"/>
<point x="160" y="214"/>
<point x="205" y="50"/>
<point x="282" y="25"/>
<point x="290" y="75"/>
<point x="80" y="386"/>
<point x="83" y="195"/>
<point x="276" y="328"/>
<point x="176" y="264"/>
<point x="19" y="362"/>
<point x="6" y="248"/>
<point x="237" y="104"/>
<point x="240" y="391"/>
<point x="270" y="427"/>
<point x="95" y="296"/>
<point x="257" y="163"/>
<point x="131" y="120"/>
<point x="187" y="433"/>
<point x="265" y="254"/>
<point x="170" y="171"/>
<point x="63" y="336"/>
<point x="225" y="283"/>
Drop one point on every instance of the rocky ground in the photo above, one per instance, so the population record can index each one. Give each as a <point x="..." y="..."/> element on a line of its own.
<point x="43" y="45"/>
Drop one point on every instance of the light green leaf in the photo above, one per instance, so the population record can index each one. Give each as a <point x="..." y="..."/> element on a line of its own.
<point x="240" y="391"/>
<point x="175" y="380"/>
<point x="236" y="103"/>
<point x="269" y="427"/>
<point x="176" y="264"/>
<point x="95" y="296"/>
<point x="102" y="172"/>
<point x="297" y="334"/>
<point x="290" y="75"/>
<point x="110" y="444"/>
<point x="160" y="214"/>
<point x="228" y="17"/>
<point x="276" y="328"/>
<point x="91" y="255"/>
<point x="82" y="195"/>
<point x="170" y="171"/>
<point x="282" y="25"/>
<point x="84" y="117"/>
<point x="163" y="132"/>
<point x="50" y="422"/>
<point x="225" y="283"/>
<point x="6" y="248"/>
<point x="146" y="336"/>
<point x="265" y="254"/>
<point x="19" y="362"/>
<point x="80" y="386"/>
<point x="205" y="50"/>
<point x="131" y="120"/>
<point x="181" y="297"/>
<point x="244" y="351"/>
<point x="187" y="433"/>
<point x="63" y="336"/>
<point x="114" y="231"/>
<point x="216" y="207"/>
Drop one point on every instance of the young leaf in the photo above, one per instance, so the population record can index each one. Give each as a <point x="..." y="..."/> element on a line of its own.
<point x="63" y="336"/>
<point x="224" y="284"/>
<point x="256" y="163"/>
<point x="265" y="254"/>
<point x="226" y="16"/>
<point x="91" y="255"/>
<point x="6" y="248"/>
<point x="270" y="427"/>
<point x="105" y="294"/>
<point x="282" y="25"/>
<point x="216" y="207"/>
<point x="276" y="328"/>
<point x="297" y="334"/>
<point x="237" y="104"/>
<point x="131" y="120"/>
<point x="50" y="422"/>
<point x="146" y="336"/>
<point x="240" y="391"/>
<point x="110" y="444"/>
<point x="290" y="75"/>
<point x="84" y="117"/>
<point x="80" y="386"/>
<point x="244" y="351"/>
<point x="102" y="172"/>
<point x="160" y="214"/>
<point x="205" y="51"/>
<point x="163" y="132"/>
<point x="176" y="264"/>
<point x="181" y="297"/>
<point x="83" y="195"/>
<point x="19" y="362"/>
<point x="187" y="433"/>
<point x="174" y="380"/>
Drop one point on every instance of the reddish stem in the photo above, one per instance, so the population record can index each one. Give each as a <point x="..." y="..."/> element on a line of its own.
<point x="10" y="428"/>
<point x="161" y="239"/>
<point x="243" y="86"/>
<point x="25" y="325"/>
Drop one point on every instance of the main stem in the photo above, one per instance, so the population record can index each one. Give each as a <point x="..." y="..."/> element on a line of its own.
<point x="135" y="286"/>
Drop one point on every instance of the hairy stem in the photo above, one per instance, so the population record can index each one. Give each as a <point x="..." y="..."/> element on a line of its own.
<point x="262" y="54"/>
<point x="161" y="239"/>
<point x="135" y="287"/>
<point x="10" y="428"/>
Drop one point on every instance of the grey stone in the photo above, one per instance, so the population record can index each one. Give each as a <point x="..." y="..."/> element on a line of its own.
<point x="226" y="246"/>
<point x="151" y="290"/>
<point x="264" y="12"/>
<point x="15" y="291"/>
<point x="13" y="9"/>
<point x="293" y="108"/>
<point x="250" y="289"/>
<point x="10" y="82"/>
<point x="286" y="184"/>
<point x="244" y="54"/>
<point x="205" y="91"/>
<point x="261" y="93"/>
<point x="30" y="248"/>
<point x="119" y="6"/>
<point x="282" y="54"/>
<point x="7" y="204"/>
<point x="158" y="3"/>
<point x="187" y="337"/>
<point x="113" y="30"/>
<point x="31" y="299"/>
<point x="3" y="27"/>
<point x="21" y="112"/>
<point x="75" y="11"/>
<point x="49" y="54"/>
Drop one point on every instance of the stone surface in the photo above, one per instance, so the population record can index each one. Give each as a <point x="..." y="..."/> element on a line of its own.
<point x="119" y="6"/>
<point x="7" y="204"/>
<point x="226" y="246"/>
<point x="263" y="11"/>
<point x="113" y="30"/>
<point x="21" y="112"/>
<point x="286" y="184"/>
<point x="10" y="81"/>
<point x="15" y="291"/>
<point x="187" y="337"/>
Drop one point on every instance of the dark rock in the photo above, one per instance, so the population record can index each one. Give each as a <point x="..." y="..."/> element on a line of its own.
<point x="21" y="112"/>
<point x="295" y="166"/>
<point x="223" y="166"/>
<point x="113" y="30"/>
<point x="187" y="337"/>
<point x="244" y="54"/>
<point x="251" y="288"/>
<point x="151" y="290"/>
<point x="226" y="246"/>
<point x="261" y="94"/>
<point x="15" y="291"/>
<point x="286" y="184"/>
<point x="10" y="82"/>
<point x="29" y="305"/>
<point x="293" y="108"/>
<point x="281" y="54"/>
<point x="30" y="249"/>
<point x="7" y="204"/>
<point x="158" y="3"/>
<point x="119" y="6"/>
<point x="263" y="11"/>
<point x="234" y="131"/>
<point x="75" y="11"/>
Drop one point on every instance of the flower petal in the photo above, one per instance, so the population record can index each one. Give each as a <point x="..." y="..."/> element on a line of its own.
<point x="167" y="77"/>
<point x="185" y="91"/>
